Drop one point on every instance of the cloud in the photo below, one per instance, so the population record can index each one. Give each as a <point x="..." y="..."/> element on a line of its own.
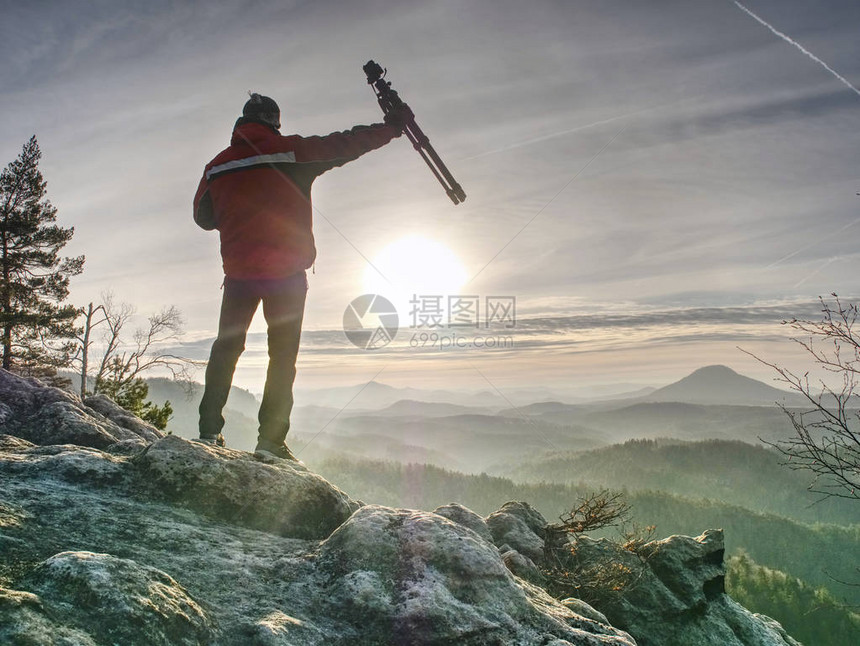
<point x="744" y="315"/>
<point x="698" y="119"/>
<point x="581" y="332"/>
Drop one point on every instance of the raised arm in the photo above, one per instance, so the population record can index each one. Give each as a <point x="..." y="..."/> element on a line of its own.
<point x="339" y="148"/>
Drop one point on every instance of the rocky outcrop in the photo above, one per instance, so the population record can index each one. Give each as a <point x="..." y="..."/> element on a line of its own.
<point x="111" y="533"/>
<point x="109" y="537"/>
<point x="522" y="566"/>
<point x="406" y="576"/>
<point x="283" y="498"/>
<point x="521" y="527"/>
<point x="515" y="528"/>
<point x="382" y="573"/>
<point x="280" y="496"/>
<point x="49" y="416"/>
<point x="133" y="603"/>
<point x="24" y="620"/>
<point x="467" y="518"/>
<point x="105" y="406"/>
<point x="677" y="594"/>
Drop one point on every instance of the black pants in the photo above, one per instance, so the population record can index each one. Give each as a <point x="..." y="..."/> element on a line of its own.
<point x="283" y="306"/>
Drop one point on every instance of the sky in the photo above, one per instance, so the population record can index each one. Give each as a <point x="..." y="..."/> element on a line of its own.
<point x="656" y="184"/>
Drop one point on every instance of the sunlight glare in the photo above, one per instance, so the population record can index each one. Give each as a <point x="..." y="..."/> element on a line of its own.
<point x="415" y="265"/>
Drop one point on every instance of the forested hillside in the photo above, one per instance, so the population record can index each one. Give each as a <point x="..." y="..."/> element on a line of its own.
<point x="812" y="615"/>
<point x="733" y="472"/>
<point x="811" y="552"/>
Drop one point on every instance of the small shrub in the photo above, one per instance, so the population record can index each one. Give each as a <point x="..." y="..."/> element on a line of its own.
<point x="568" y="574"/>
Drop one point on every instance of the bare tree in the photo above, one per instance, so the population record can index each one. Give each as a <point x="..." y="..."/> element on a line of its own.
<point x="91" y="320"/>
<point x="107" y="313"/>
<point x="827" y="429"/>
<point x="122" y="365"/>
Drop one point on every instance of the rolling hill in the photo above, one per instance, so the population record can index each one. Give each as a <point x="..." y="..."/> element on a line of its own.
<point x="732" y="472"/>
<point x="720" y="385"/>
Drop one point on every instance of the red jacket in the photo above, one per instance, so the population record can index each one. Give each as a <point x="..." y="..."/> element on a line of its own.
<point x="257" y="193"/>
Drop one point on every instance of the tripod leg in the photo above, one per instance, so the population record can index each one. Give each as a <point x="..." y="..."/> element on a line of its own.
<point x="421" y="143"/>
<point x="421" y="151"/>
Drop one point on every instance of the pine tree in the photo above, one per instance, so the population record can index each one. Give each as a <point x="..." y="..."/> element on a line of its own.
<point x="131" y="394"/>
<point x="37" y="328"/>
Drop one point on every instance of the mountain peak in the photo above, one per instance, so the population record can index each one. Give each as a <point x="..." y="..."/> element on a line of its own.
<point x="718" y="384"/>
<point x="715" y="369"/>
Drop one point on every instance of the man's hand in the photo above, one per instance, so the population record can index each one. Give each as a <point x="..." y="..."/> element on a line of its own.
<point x="399" y="117"/>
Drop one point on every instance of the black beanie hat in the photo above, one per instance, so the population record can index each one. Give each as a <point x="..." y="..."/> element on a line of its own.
<point x="262" y="108"/>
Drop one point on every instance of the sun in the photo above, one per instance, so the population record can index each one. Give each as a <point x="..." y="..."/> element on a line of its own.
<point x="415" y="265"/>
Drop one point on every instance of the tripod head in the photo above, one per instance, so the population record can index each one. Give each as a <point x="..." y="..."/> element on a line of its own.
<point x="388" y="99"/>
<point x="374" y="71"/>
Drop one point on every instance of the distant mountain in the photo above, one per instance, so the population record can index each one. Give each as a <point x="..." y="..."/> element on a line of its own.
<point x="639" y="392"/>
<point x="538" y="408"/>
<point x="622" y="420"/>
<point x="376" y="395"/>
<point x="711" y="385"/>
<point x="240" y="413"/>
<point x="719" y="385"/>
<point x="733" y="472"/>
<point x="316" y="447"/>
<point x="690" y="422"/>
<point x="413" y="408"/>
<point x="472" y="441"/>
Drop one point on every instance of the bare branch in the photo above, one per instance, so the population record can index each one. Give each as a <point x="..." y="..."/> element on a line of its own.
<point x="826" y="442"/>
<point x="594" y="511"/>
<point x="124" y="362"/>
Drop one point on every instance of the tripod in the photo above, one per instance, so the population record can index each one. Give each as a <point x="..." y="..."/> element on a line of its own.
<point x="390" y="102"/>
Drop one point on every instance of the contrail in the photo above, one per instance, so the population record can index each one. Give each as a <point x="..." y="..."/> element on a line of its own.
<point x="560" y="133"/>
<point x="790" y="41"/>
<point x="812" y="244"/>
<point x="826" y="262"/>
<point x="570" y="131"/>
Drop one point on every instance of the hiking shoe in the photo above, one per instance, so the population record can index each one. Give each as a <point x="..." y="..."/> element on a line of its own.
<point x="213" y="440"/>
<point x="266" y="449"/>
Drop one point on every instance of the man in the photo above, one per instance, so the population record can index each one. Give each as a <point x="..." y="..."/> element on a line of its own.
<point x="257" y="194"/>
